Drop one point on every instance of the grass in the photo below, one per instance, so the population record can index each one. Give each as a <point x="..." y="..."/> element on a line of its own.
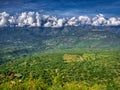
<point x="86" y="70"/>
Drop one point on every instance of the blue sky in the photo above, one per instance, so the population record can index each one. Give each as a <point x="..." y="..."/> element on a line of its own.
<point x="63" y="7"/>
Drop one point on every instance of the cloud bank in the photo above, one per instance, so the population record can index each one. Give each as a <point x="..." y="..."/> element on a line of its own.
<point x="34" y="19"/>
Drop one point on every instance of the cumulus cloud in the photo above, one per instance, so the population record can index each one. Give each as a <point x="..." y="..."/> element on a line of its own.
<point x="4" y="19"/>
<point x="72" y="22"/>
<point x="113" y="21"/>
<point x="99" y="20"/>
<point x="34" y="19"/>
<point x="84" y="20"/>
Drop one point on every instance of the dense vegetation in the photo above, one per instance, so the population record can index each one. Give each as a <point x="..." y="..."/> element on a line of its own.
<point x="67" y="58"/>
<point x="64" y="70"/>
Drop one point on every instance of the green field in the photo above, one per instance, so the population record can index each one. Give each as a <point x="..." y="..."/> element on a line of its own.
<point x="77" y="69"/>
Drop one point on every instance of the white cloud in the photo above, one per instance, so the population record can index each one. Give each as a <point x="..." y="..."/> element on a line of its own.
<point x="38" y="19"/>
<point x="99" y="20"/>
<point x="34" y="19"/>
<point x="48" y="24"/>
<point x="84" y="20"/>
<point x="72" y="22"/>
<point x="4" y="19"/>
<point x="113" y="21"/>
<point x="12" y="20"/>
<point x="60" y="22"/>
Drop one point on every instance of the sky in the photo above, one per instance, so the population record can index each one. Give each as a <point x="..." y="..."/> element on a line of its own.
<point x="63" y="8"/>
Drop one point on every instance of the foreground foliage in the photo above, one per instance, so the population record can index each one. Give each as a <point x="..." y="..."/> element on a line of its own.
<point x="96" y="69"/>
